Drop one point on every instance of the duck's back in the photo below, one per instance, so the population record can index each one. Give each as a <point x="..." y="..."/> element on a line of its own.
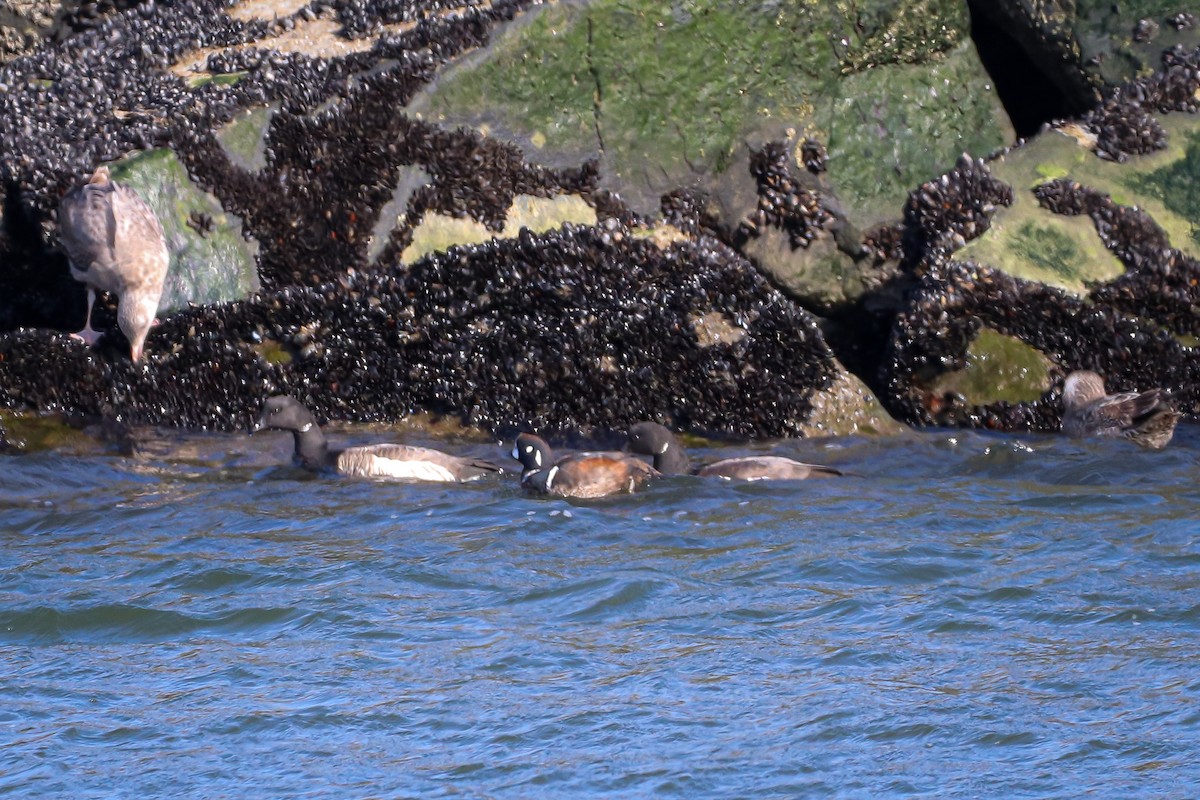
<point x="406" y="462"/>
<point x="758" y="468"/>
<point x="1115" y="414"/>
<point x="591" y="475"/>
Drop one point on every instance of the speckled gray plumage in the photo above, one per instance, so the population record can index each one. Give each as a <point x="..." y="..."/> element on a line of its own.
<point x="115" y="244"/>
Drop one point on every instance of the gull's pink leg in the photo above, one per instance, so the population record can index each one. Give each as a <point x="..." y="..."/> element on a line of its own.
<point x="87" y="335"/>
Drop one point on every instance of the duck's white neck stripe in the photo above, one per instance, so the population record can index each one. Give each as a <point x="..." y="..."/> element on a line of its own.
<point x="550" y="477"/>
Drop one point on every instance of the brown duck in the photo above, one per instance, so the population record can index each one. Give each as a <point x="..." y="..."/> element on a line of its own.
<point x="1142" y="417"/>
<point x="583" y="475"/>
<point x="654" y="440"/>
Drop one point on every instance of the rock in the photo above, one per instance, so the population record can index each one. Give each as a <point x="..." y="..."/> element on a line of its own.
<point x="847" y="407"/>
<point x="211" y="261"/>
<point x="438" y="233"/>
<point x="669" y="97"/>
<point x="701" y="155"/>
<point x="1092" y="262"/>
<point x="580" y="329"/>
<point x="997" y="369"/>
<point x="1079" y="51"/>
<point x="244" y="138"/>
<point x="1030" y="241"/>
<point x="23" y="24"/>
<point x="31" y="433"/>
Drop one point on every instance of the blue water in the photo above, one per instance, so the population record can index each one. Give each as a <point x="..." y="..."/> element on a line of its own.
<point x="973" y="616"/>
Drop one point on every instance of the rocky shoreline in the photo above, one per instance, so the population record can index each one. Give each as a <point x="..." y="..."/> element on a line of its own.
<point x="744" y="307"/>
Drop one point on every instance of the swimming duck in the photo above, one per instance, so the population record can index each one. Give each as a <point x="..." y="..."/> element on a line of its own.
<point x="1142" y="417"/>
<point x="652" y="439"/>
<point x="583" y="475"/>
<point x="115" y="244"/>
<point x="367" y="461"/>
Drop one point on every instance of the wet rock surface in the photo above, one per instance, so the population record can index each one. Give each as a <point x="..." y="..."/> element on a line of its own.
<point x="584" y="328"/>
<point x="579" y="329"/>
<point x="109" y="91"/>
<point x="1135" y="327"/>
<point x="951" y="307"/>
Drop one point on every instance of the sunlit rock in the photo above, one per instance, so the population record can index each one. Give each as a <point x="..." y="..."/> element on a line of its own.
<point x="211" y="262"/>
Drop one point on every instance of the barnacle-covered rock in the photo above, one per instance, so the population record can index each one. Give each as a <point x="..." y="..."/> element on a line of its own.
<point x="846" y="407"/>
<point x="577" y="329"/>
<point x="1093" y="265"/>
<point x="793" y="228"/>
<point x="1078" y="51"/>
<point x="702" y="156"/>
<point x="952" y="308"/>
<point x="943" y="215"/>
<point x="23" y="25"/>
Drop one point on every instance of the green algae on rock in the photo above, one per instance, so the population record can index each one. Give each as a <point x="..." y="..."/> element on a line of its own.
<point x="1177" y="185"/>
<point x="29" y="433"/>
<point x="244" y="137"/>
<point x="998" y="368"/>
<point x="667" y="95"/>
<point x="210" y="260"/>
<point x="1028" y="241"/>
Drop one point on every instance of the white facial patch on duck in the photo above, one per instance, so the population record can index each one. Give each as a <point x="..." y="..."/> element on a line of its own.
<point x="665" y="446"/>
<point x="306" y="427"/>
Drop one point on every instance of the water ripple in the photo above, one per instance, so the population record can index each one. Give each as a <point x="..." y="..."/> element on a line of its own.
<point x="977" y="615"/>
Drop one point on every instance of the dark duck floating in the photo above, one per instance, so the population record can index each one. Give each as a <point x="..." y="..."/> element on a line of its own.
<point x="115" y="244"/>
<point x="584" y="475"/>
<point x="398" y="461"/>
<point x="1142" y="417"/>
<point x="654" y="440"/>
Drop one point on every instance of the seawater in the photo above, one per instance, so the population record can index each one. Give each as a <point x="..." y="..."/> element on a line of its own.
<point x="970" y="615"/>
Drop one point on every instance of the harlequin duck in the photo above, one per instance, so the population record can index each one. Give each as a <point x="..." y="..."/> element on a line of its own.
<point x="583" y="475"/>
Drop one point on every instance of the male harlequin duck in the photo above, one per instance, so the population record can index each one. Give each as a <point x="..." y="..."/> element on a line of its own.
<point x="652" y="439"/>
<point x="583" y="475"/>
<point x="1142" y="417"/>
<point x="368" y="461"/>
